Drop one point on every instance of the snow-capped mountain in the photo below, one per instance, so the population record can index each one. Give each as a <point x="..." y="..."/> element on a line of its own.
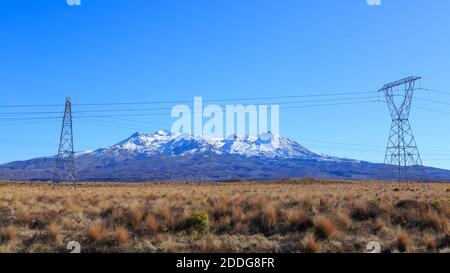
<point x="162" y="156"/>
<point x="164" y="143"/>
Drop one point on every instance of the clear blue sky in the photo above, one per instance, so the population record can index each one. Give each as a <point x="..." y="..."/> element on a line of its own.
<point x="140" y="50"/>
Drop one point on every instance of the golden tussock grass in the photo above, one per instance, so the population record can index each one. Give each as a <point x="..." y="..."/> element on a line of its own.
<point x="278" y="216"/>
<point x="122" y="235"/>
<point x="324" y="227"/>
<point x="8" y="234"/>
<point x="403" y="241"/>
<point x="136" y="215"/>
<point x="310" y="244"/>
<point x="430" y="242"/>
<point x="97" y="233"/>
<point x="53" y="232"/>
<point x="23" y="216"/>
<point x="152" y="224"/>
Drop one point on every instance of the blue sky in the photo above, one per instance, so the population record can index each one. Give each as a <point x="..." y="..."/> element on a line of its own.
<point x="140" y="50"/>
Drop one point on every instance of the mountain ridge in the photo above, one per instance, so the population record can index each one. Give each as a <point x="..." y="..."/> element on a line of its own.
<point x="163" y="156"/>
<point x="164" y="143"/>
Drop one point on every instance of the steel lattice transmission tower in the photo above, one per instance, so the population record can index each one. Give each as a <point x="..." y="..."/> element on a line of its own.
<point x="401" y="149"/>
<point x="65" y="160"/>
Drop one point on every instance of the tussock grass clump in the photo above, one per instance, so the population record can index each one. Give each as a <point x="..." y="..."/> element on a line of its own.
<point x="117" y="214"/>
<point x="121" y="235"/>
<point x="345" y="220"/>
<point x="98" y="233"/>
<point x="308" y="203"/>
<point x="363" y="210"/>
<point x="430" y="242"/>
<point x="151" y="224"/>
<point x="23" y="216"/>
<point x="310" y="245"/>
<point x="69" y="223"/>
<point x="379" y="224"/>
<point x="8" y="234"/>
<point x="263" y="220"/>
<point x="136" y="216"/>
<point x="269" y="215"/>
<point x="324" y="227"/>
<point x="444" y="241"/>
<point x="412" y="204"/>
<point x="420" y="219"/>
<point x="209" y="244"/>
<point x="403" y="241"/>
<point x="168" y="246"/>
<point x="221" y="206"/>
<point x="434" y="221"/>
<point x="53" y="231"/>
<point x="298" y="220"/>
<point x="163" y="211"/>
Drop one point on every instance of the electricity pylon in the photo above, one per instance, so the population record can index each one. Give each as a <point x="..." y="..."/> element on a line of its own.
<point x="65" y="160"/>
<point x="401" y="148"/>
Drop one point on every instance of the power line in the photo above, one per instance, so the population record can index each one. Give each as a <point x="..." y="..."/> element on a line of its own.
<point x="25" y="123"/>
<point x="89" y="122"/>
<point x="331" y="94"/>
<point x="229" y="99"/>
<point x="168" y="109"/>
<point x="115" y="124"/>
<point x="213" y="100"/>
<point x="134" y="122"/>
<point x="29" y="105"/>
<point x="434" y="101"/>
<point x="363" y="148"/>
<point x="25" y="142"/>
<point x="188" y="101"/>
<point x="437" y="91"/>
<point x="29" y="118"/>
<point x="331" y="104"/>
<point x="165" y="113"/>
<point x="431" y="110"/>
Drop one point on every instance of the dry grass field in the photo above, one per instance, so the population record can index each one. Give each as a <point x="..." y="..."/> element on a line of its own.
<point x="283" y="216"/>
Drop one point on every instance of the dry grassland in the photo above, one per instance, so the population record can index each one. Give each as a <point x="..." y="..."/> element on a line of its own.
<point x="283" y="216"/>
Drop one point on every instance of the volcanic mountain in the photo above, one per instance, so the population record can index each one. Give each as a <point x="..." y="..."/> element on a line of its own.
<point x="163" y="156"/>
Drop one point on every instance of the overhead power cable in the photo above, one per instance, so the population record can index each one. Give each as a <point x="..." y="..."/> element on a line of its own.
<point x="188" y="101"/>
<point x="433" y="101"/>
<point x="431" y="110"/>
<point x="165" y="113"/>
<point x="437" y="91"/>
<point x="168" y="109"/>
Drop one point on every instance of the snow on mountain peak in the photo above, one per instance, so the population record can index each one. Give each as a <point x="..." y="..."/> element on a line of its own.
<point x="164" y="143"/>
